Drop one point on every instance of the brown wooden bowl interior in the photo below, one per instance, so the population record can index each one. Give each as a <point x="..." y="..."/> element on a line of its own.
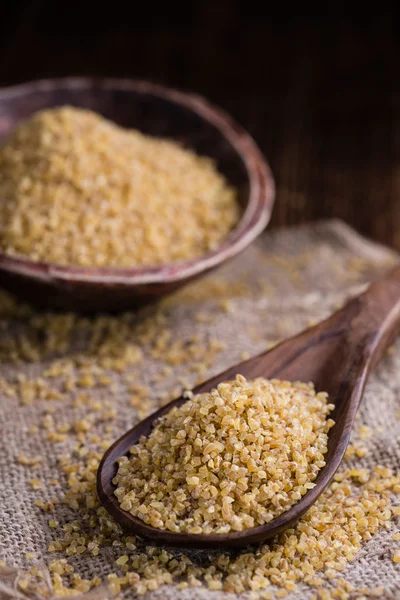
<point x="157" y="111"/>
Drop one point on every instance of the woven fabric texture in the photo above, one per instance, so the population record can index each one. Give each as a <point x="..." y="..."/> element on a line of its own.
<point x="284" y="282"/>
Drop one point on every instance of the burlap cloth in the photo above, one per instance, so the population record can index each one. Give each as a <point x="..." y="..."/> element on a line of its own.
<point x="282" y="283"/>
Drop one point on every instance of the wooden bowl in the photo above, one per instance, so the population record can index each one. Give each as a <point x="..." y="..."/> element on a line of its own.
<point x="158" y="111"/>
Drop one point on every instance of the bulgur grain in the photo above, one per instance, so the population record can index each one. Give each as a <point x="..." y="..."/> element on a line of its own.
<point x="31" y="461"/>
<point x="36" y="484"/>
<point x="236" y="457"/>
<point x="77" y="189"/>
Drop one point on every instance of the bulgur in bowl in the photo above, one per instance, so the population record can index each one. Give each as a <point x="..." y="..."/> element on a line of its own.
<point x="161" y="113"/>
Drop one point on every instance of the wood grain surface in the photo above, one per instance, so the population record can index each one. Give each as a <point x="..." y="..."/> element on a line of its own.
<point x="320" y="94"/>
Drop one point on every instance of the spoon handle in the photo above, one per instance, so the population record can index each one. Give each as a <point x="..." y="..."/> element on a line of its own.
<point x="377" y="322"/>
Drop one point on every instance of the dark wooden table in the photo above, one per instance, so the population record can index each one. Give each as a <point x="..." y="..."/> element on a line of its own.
<point x="320" y="94"/>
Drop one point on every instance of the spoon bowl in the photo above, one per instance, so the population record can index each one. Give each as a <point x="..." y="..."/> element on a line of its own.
<point x="161" y="112"/>
<point x="337" y="355"/>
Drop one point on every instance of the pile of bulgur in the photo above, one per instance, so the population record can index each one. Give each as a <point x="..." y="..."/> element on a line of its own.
<point x="227" y="460"/>
<point x="76" y="189"/>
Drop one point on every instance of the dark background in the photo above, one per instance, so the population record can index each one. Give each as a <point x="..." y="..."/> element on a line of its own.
<point x="319" y="93"/>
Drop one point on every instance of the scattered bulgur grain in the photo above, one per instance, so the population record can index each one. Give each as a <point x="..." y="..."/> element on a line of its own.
<point x="353" y="450"/>
<point x="182" y="585"/>
<point x="36" y="484"/>
<point x="235" y="457"/>
<point x="382" y="471"/>
<point x="31" y="461"/>
<point x="396" y="556"/>
<point x="364" y="432"/>
<point x="53" y="524"/>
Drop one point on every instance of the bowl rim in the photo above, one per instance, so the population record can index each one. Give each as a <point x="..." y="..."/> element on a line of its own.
<point x="254" y="219"/>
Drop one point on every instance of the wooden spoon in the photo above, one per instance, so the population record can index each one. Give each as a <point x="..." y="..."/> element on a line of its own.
<point x="337" y="355"/>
